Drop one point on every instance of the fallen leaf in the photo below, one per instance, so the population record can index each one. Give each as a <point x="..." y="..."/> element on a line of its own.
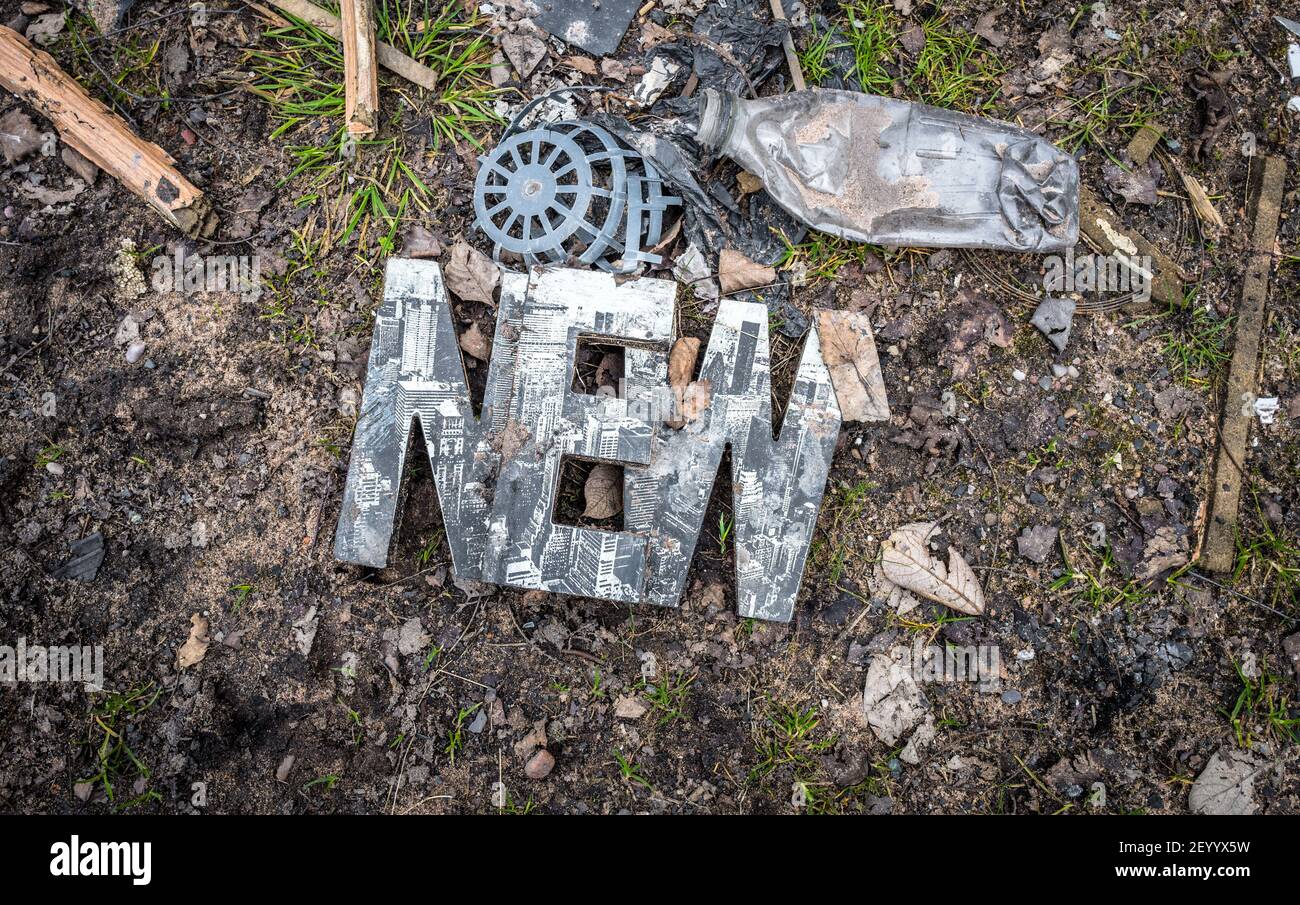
<point x="748" y="182"/>
<point x="1226" y="785"/>
<point x="583" y="64"/>
<point x="613" y="69"/>
<point x="653" y="35"/>
<point x="475" y="343"/>
<point x="195" y="647"/>
<point x="524" y="50"/>
<point x="45" y="30"/>
<point x="470" y="274"/>
<point x="681" y="368"/>
<point x="849" y="351"/>
<point x="1136" y="185"/>
<point x="984" y="27"/>
<point x="630" y="707"/>
<point x="681" y="362"/>
<point x="908" y="563"/>
<point x="737" y="272"/>
<point x="603" y="492"/>
<point x="420" y="243"/>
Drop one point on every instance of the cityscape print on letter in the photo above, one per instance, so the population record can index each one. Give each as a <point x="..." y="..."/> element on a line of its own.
<point x="497" y="473"/>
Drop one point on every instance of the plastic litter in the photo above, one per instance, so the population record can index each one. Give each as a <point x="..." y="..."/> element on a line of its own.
<point x="875" y="169"/>
<point x="570" y="190"/>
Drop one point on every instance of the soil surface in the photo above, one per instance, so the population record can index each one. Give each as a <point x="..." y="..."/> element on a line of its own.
<point x="205" y="437"/>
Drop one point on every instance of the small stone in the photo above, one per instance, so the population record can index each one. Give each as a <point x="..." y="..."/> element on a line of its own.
<point x="630" y="707"/>
<point x="54" y="468"/>
<point x="282" y="771"/>
<point x="1054" y="317"/>
<point x="1035" y="544"/>
<point x="135" y="352"/>
<point x="1018" y="374"/>
<point x="540" y="765"/>
<point x="1011" y="697"/>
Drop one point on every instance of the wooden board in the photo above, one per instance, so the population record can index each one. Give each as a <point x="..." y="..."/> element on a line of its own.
<point x="1234" y="425"/>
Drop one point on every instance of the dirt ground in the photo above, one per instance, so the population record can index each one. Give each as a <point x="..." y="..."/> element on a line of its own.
<point x="212" y="462"/>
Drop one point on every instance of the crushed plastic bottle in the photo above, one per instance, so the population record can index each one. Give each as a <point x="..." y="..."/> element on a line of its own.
<point x="890" y="172"/>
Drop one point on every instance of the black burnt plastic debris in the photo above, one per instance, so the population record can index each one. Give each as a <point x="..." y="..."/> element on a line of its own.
<point x="596" y="26"/>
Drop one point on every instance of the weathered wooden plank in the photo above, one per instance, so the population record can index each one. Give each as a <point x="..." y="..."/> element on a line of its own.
<point x="1234" y="424"/>
<point x="95" y="132"/>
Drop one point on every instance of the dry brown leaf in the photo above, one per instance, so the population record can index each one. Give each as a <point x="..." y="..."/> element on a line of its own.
<point x="470" y="274"/>
<point x="475" y="343"/>
<point x="748" y="182"/>
<point x="737" y="272"/>
<point x="849" y="351"/>
<point x="603" y="492"/>
<point x="582" y="64"/>
<point x="613" y="69"/>
<point x="907" y="562"/>
<point x="681" y="367"/>
<point x="195" y="647"/>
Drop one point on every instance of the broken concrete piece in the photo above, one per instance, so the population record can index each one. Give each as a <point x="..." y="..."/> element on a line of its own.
<point x="849" y="350"/>
<point x="87" y="556"/>
<point x="524" y="49"/>
<point x="836" y="160"/>
<point x="596" y="28"/>
<point x="108" y="14"/>
<point x="1054" y="318"/>
<point x="1035" y="544"/>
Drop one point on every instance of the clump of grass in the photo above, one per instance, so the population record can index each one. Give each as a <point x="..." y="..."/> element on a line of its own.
<point x="1264" y="705"/>
<point x="456" y="735"/>
<point x="1094" y="578"/>
<point x="954" y="70"/>
<point x="845" y="506"/>
<point x="789" y="746"/>
<point x="117" y="763"/>
<point x="1198" y="349"/>
<point x="872" y="32"/>
<point x="1269" y="556"/>
<point x="823" y="256"/>
<point x="668" y="697"/>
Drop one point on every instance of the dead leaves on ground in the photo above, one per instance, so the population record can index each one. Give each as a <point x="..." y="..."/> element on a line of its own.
<point x="470" y="274"/>
<point x="196" y="646"/>
<point x="603" y="492"/>
<point x="907" y="562"/>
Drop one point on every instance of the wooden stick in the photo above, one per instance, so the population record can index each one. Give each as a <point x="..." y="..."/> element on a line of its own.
<point x="1108" y="234"/>
<point x="360" y="71"/>
<point x="787" y="44"/>
<point x="388" y="56"/>
<point x="1238" y="408"/>
<point x="94" y="132"/>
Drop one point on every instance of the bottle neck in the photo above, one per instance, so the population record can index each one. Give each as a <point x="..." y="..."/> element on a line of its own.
<point x="717" y="112"/>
